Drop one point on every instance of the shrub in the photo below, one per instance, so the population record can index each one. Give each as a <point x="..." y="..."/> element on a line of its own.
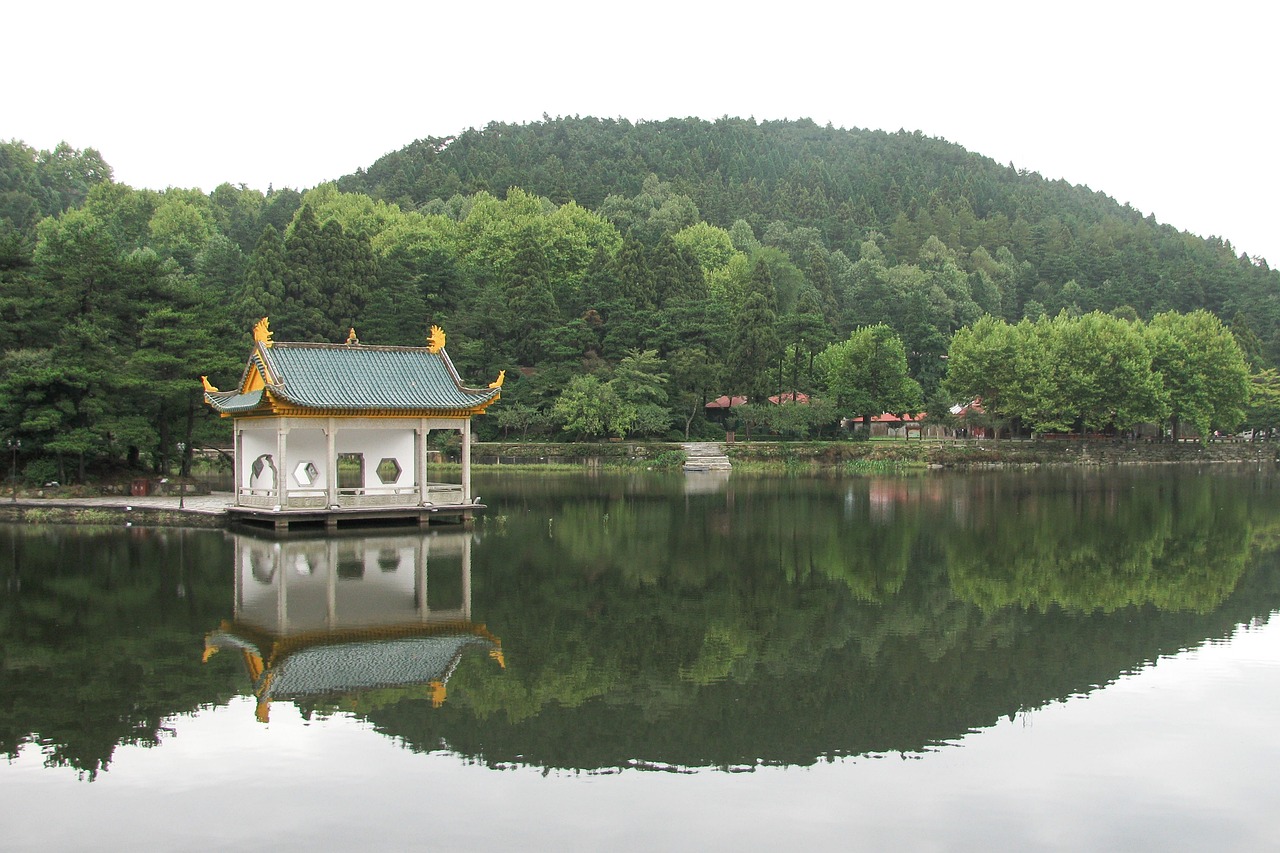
<point x="669" y="459"/>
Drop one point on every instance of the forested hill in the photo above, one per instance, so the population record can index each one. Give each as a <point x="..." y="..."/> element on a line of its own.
<point x="1076" y="248"/>
<point x="622" y="275"/>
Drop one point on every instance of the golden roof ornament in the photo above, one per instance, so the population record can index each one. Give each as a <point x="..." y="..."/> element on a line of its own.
<point x="352" y="340"/>
<point x="208" y="386"/>
<point x="497" y="383"/>
<point x="435" y="340"/>
<point x="262" y="332"/>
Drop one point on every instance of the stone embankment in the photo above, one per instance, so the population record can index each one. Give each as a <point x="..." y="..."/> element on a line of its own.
<point x="161" y="511"/>
<point x="942" y="454"/>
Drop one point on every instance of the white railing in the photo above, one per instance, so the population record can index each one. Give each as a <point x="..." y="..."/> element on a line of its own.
<point x="437" y="494"/>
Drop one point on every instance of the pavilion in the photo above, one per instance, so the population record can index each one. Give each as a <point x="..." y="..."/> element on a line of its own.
<point x="337" y="434"/>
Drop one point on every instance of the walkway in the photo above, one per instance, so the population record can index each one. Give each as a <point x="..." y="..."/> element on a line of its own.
<point x="211" y="504"/>
<point x="706" y="456"/>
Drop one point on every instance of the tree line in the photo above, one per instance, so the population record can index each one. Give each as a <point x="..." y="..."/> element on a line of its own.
<point x="624" y="317"/>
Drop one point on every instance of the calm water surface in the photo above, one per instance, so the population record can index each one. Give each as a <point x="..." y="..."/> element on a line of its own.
<point x="1064" y="660"/>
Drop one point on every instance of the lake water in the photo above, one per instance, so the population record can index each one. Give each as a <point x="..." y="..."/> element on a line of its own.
<point x="1063" y="660"/>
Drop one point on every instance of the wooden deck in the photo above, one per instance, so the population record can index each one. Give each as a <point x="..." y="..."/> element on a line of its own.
<point x="331" y="519"/>
<point x="310" y="509"/>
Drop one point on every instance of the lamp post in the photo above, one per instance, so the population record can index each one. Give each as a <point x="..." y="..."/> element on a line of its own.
<point x="182" y="487"/>
<point x="14" y="445"/>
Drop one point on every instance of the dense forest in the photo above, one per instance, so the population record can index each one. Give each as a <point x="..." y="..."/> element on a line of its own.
<point x="622" y="274"/>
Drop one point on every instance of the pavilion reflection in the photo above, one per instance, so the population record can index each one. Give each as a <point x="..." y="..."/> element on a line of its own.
<point x="338" y="616"/>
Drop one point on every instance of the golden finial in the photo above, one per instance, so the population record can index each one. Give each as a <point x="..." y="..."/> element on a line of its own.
<point x="262" y="332"/>
<point x="497" y="383"/>
<point x="208" y="387"/>
<point x="352" y="340"/>
<point x="435" y="340"/>
<point x="438" y="693"/>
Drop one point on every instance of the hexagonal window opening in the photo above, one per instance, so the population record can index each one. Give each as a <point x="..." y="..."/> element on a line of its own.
<point x="306" y="473"/>
<point x="389" y="471"/>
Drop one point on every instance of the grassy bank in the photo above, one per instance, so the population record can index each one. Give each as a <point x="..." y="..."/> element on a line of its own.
<point x="111" y="516"/>
<point x="869" y="457"/>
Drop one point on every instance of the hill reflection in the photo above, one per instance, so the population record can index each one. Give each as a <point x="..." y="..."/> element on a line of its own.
<point x="763" y="621"/>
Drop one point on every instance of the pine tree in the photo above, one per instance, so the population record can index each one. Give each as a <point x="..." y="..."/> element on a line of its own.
<point x="532" y="304"/>
<point x="302" y="313"/>
<point x="350" y="274"/>
<point x="262" y="293"/>
<point x="635" y="278"/>
<point x="754" y="348"/>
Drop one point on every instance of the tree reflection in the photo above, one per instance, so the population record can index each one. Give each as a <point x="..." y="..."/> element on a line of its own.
<point x="765" y="621"/>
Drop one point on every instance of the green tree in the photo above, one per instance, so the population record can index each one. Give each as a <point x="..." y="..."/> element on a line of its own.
<point x="639" y="377"/>
<point x="1097" y="375"/>
<point x="262" y="293"/>
<point x="1204" y="371"/>
<point x="589" y="408"/>
<point x="867" y="374"/>
<point x="712" y="246"/>
<point x="79" y="263"/>
<point x="533" y="311"/>
<point x="753" y="349"/>
<point x="302" y="311"/>
<point x="1263" y="413"/>
<point x="695" y="374"/>
<point x="350" y="274"/>
<point x="181" y="226"/>
<point x="991" y="361"/>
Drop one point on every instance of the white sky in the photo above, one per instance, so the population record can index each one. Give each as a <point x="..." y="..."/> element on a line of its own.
<point x="1169" y="106"/>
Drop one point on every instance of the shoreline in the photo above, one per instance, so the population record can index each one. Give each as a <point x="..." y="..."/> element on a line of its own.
<point x="853" y="459"/>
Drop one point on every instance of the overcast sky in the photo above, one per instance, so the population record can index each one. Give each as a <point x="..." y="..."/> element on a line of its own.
<point x="1167" y="106"/>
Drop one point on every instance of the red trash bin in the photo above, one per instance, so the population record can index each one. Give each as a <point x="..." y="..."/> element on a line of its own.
<point x="140" y="488"/>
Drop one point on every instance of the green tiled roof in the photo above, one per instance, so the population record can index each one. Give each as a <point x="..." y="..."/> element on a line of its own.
<point x="338" y="667"/>
<point x="230" y="401"/>
<point x="337" y="376"/>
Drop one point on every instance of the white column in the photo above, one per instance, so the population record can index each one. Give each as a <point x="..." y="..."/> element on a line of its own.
<point x="241" y="562"/>
<point x="420" y="577"/>
<point x="466" y="461"/>
<point x="282" y="594"/>
<point x="331" y="465"/>
<point x="466" y="577"/>
<point x="331" y="585"/>
<point x="420" y="459"/>
<point x="282" y="467"/>
<point x="237" y="453"/>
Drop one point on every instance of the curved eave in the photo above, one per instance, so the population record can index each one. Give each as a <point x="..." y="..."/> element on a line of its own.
<point x="274" y="405"/>
<point x="282" y="402"/>
<point x="277" y="645"/>
<point x="232" y="403"/>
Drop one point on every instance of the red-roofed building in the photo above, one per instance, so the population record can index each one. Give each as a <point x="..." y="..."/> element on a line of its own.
<point x="962" y="413"/>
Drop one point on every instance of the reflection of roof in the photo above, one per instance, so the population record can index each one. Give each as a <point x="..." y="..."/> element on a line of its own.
<point x="352" y="377"/>
<point x="789" y="397"/>
<point x="321" y="663"/>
